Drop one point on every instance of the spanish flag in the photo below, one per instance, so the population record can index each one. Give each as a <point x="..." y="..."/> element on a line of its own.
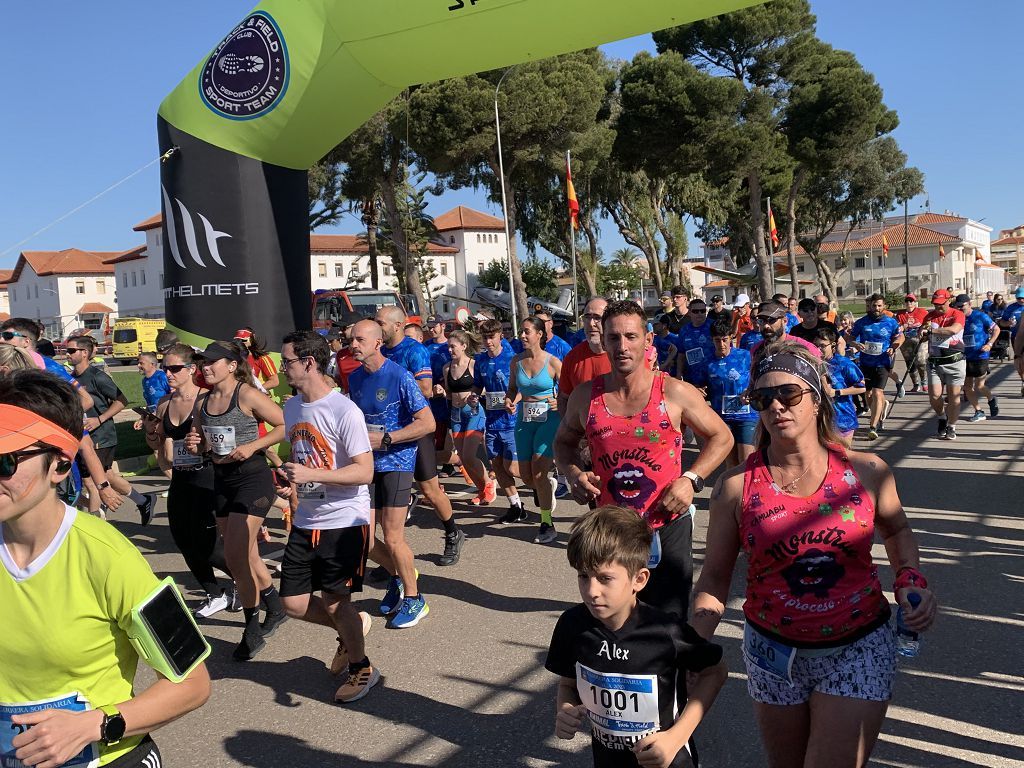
<point x="942" y="251"/>
<point x="885" y="245"/>
<point x="772" y="229"/>
<point x="574" y="204"/>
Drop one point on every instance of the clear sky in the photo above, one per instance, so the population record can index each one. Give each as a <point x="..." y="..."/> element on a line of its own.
<point x="82" y="83"/>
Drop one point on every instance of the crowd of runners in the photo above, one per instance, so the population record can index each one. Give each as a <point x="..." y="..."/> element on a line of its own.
<point x="631" y="416"/>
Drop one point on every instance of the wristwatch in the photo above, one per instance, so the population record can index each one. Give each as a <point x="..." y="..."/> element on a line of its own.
<point x="385" y="442"/>
<point x="104" y="484"/>
<point x="697" y="480"/>
<point x="112" y="729"/>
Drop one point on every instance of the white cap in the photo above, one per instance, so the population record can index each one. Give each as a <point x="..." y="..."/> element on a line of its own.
<point x="741" y="300"/>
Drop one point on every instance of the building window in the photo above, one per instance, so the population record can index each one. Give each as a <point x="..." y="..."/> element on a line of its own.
<point x="101" y="286"/>
<point x="881" y="261"/>
<point x="79" y="287"/>
<point x="800" y="267"/>
<point x="903" y="258"/>
<point x="445" y="307"/>
<point x="859" y="262"/>
<point x="125" y="279"/>
<point x="387" y="271"/>
<point x="444" y="267"/>
<point x="839" y="291"/>
<point x="479" y="267"/>
<point x="142" y="277"/>
<point x="478" y="237"/>
<point x="321" y="269"/>
<point x="133" y="280"/>
<point x="338" y="271"/>
<point x="451" y="239"/>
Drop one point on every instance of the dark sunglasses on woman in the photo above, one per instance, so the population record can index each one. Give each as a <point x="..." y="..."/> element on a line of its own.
<point x="787" y="394"/>
<point x="174" y="368"/>
<point x="9" y="461"/>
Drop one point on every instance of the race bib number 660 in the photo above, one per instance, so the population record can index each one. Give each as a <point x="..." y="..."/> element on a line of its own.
<point x="623" y="708"/>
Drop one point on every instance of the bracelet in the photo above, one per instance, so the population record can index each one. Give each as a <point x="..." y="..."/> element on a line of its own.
<point x="908" y="576"/>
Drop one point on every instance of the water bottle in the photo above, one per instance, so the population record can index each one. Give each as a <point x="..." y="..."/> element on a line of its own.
<point x="908" y="642"/>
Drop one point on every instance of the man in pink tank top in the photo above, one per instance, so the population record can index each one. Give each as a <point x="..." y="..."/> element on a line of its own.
<point x="633" y="420"/>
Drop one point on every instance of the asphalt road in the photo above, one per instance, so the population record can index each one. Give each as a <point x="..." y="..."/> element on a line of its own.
<point x="467" y="686"/>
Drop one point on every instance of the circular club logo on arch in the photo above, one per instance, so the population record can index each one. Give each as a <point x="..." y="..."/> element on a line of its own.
<point x="247" y="74"/>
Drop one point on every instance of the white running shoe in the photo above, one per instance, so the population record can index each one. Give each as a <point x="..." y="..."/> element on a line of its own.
<point x="212" y="605"/>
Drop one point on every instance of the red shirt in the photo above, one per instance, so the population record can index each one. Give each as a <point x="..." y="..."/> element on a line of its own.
<point x="581" y="365"/>
<point x="346" y="364"/>
<point x="263" y="367"/>
<point x="911" y="320"/>
<point x="947" y="345"/>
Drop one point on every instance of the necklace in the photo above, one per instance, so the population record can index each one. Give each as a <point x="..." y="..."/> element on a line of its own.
<point x="789" y="487"/>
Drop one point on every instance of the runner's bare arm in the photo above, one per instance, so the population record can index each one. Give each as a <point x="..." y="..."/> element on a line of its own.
<point x="711" y="591"/>
<point x="263" y="409"/>
<point x="358" y="472"/>
<point x="894" y="528"/>
<point x="571" y="431"/>
<point x="422" y="424"/>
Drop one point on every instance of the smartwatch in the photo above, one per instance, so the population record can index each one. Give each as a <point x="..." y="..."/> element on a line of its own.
<point x="697" y="480"/>
<point x="112" y="729"/>
<point x="104" y="484"/>
<point x="385" y="442"/>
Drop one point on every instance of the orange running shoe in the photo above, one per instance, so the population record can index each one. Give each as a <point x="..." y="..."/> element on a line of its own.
<point x="486" y="496"/>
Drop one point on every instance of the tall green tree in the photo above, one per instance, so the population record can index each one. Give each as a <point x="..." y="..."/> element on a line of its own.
<point x="327" y="204"/>
<point x="539" y="277"/>
<point x="542" y="106"/>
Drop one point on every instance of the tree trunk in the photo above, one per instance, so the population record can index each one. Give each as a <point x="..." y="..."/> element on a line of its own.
<point x="409" y="277"/>
<point x="764" y="275"/>
<point x="826" y="276"/>
<point x="639" y="237"/>
<point x="371" y="219"/>
<point x="794" y="189"/>
<point x="590" y="273"/>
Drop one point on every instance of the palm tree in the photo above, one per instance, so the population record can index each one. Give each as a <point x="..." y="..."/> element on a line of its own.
<point x="626" y="257"/>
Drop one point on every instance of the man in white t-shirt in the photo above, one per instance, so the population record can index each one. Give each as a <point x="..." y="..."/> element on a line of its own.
<point x="330" y="467"/>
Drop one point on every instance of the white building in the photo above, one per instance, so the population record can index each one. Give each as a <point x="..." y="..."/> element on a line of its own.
<point x="1008" y="251"/>
<point x="470" y="242"/>
<point x="65" y="290"/>
<point x="5" y="303"/>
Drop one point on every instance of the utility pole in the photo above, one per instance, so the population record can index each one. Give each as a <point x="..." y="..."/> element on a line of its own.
<point x="906" y="250"/>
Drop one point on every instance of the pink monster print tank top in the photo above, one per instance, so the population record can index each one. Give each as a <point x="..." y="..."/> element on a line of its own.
<point x="636" y="456"/>
<point x="811" y="579"/>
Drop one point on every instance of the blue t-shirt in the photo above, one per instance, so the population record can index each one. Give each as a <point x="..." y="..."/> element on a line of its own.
<point x="791" y="321"/>
<point x="388" y="398"/>
<point x="751" y="339"/>
<point x="576" y="337"/>
<point x="155" y="387"/>
<point x="697" y="350"/>
<point x="557" y="347"/>
<point x="58" y="370"/>
<point x="728" y="379"/>
<point x="844" y="374"/>
<point x="986" y="305"/>
<point x="977" y="326"/>
<point x="877" y="336"/>
<point x="491" y="374"/>
<point x="412" y="356"/>
<point x="664" y="344"/>
<point x="1012" y="313"/>
<point x="440" y="356"/>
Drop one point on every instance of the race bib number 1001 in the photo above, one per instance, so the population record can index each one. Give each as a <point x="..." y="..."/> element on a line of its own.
<point x="72" y="702"/>
<point x="623" y="708"/>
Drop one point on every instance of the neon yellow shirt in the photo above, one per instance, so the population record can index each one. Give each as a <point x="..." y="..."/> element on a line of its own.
<point x="66" y="616"/>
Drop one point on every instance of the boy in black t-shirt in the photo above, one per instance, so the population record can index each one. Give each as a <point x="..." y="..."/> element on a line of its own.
<point x="624" y="664"/>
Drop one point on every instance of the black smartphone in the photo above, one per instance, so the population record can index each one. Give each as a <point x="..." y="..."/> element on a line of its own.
<point x="173" y="630"/>
<point x="145" y="413"/>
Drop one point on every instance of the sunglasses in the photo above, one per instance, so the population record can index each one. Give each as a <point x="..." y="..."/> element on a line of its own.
<point x="8" y="335"/>
<point x="787" y="394"/>
<point x="9" y="461"/>
<point x="174" y="368"/>
<point x="72" y="350"/>
<point x="822" y="307"/>
<point x="698" y="311"/>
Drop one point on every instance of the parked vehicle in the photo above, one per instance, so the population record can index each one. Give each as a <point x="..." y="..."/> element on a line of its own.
<point x="133" y="335"/>
<point x="331" y="306"/>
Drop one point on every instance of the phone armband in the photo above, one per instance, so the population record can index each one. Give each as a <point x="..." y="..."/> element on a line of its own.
<point x="166" y="635"/>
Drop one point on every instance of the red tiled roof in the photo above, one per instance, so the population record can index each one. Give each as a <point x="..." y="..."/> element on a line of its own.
<point x="718" y="284"/>
<point x="4" y="316"/>
<point x="94" y="308"/>
<point x="70" y="261"/>
<point x="466" y="218"/>
<point x="6" y="275"/>
<point x="355" y="244"/>
<point x="937" y="218"/>
<point x="1008" y="241"/>
<point x="132" y="255"/>
<point x="894" y="236"/>
<point x="154" y="221"/>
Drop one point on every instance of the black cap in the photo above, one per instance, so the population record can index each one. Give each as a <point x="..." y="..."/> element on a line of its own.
<point x="435" y="319"/>
<point x="334" y="333"/>
<point x="771" y="310"/>
<point x="221" y="350"/>
<point x="715" y="298"/>
<point x="961" y="299"/>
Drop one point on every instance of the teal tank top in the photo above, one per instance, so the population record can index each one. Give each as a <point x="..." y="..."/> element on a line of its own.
<point x="539" y="386"/>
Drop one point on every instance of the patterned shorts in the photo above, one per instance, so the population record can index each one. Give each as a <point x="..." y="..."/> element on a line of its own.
<point x="864" y="669"/>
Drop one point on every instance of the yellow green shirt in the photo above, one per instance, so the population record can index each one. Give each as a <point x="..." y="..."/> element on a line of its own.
<point x="66" y="616"/>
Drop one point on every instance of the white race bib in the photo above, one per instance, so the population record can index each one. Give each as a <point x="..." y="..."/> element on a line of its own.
<point x="311" y="491"/>
<point x="537" y="411"/>
<point x="220" y="439"/>
<point x="623" y="708"/>
<point x="734" y="404"/>
<point x="494" y="401"/>
<point x="694" y="356"/>
<point x="71" y="702"/>
<point x="182" y="458"/>
<point x="873" y="347"/>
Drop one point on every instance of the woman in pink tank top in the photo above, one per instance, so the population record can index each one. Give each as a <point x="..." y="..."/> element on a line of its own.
<point x="818" y="644"/>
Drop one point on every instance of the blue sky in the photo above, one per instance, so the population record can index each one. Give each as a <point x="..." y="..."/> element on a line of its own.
<point x="83" y="82"/>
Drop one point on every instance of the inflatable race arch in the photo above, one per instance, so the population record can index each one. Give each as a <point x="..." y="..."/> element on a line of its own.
<point x="285" y="86"/>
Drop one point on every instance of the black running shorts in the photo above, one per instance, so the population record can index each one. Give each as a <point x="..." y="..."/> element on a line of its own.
<point x="426" y="459"/>
<point x="391" y="489"/>
<point x="977" y="368"/>
<point x="244" y="487"/>
<point x="332" y="560"/>
<point x="105" y="455"/>
<point x="875" y="376"/>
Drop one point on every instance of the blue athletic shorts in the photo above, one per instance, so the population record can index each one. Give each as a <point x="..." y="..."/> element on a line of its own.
<point x="537" y="438"/>
<point x="743" y="431"/>
<point x="501" y="444"/>
<point x="464" y="421"/>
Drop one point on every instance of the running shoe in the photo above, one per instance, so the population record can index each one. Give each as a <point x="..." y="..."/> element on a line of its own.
<point x="447" y="470"/>
<point x="452" y="547"/>
<point x="410" y="612"/>
<point x="340" y="661"/>
<point x="917" y="388"/>
<point x="562" y="490"/>
<point x="393" y="596"/>
<point x="978" y="416"/>
<point x="546" y="534"/>
<point x="252" y="643"/>
<point x="993" y="408"/>
<point x="516" y="514"/>
<point x="900" y="390"/>
<point x="358" y="685"/>
<point x="147" y="507"/>
<point x="872" y="433"/>
<point x="942" y="429"/>
<point x="213" y="604"/>
<point x="272" y="621"/>
<point x="950" y="433"/>
<point x="486" y="496"/>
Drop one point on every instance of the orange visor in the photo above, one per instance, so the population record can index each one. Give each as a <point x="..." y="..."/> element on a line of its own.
<point x="20" y="428"/>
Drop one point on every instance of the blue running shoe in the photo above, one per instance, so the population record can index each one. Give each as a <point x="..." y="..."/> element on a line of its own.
<point x="409" y="614"/>
<point x="393" y="597"/>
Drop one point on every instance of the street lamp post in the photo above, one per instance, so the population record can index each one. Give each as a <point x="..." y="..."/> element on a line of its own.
<point x="504" y="204"/>
<point x="906" y="251"/>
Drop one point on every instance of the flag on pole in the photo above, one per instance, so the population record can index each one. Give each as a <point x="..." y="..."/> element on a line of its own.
<point x="574" y="204"/>
<point x="942" y="251"/>
<point x="772" y="229"/>
<point x="885" y="245"/>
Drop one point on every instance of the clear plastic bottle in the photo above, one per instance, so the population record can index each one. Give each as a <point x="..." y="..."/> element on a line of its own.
<point x="908" y="642"/>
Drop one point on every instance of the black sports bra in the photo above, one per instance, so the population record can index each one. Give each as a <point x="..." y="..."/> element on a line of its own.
<point x="462" y="384"/>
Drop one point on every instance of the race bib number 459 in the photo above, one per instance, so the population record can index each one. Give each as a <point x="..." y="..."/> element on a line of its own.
<point x="623" y="708"/>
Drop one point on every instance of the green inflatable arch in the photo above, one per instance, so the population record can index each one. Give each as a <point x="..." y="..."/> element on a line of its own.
<point x="292" y="80"/>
